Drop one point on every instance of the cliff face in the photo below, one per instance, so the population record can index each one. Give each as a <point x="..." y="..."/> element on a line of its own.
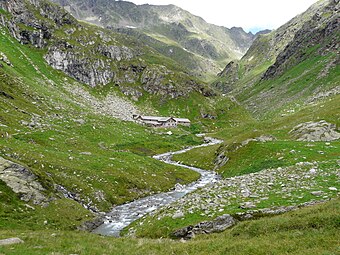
<point x="93" y="55"/>
<point x="210" y="46"/>
<point x="27" y="27"/>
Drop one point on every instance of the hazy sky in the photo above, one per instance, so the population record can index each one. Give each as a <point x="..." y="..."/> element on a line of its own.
<point x="252" y="15"/>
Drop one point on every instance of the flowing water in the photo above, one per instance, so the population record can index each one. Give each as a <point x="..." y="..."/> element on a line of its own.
<point x="123" y="215"/>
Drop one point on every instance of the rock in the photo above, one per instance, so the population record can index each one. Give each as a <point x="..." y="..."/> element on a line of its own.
<point x="318" y="30"/>
<point x="178" y="187"/>
<point x="72" y="62"/>
<point x="22" y="181"/>
<point x="315" y="131"/>
<point x="4" y="59"/>
<point x="185" y="233"/>
<point x="79" y="121"/>
<point x="219" y="224"/>
<point x="85" y="153"/>
<point x="220" y="157"/>
<point x="115" y="52"/>
<point x="28" y="28"/>
<point x="9" y="241"/>
<point x="247" y="205"/>
<point x="317" y="193"/>
<point x="111" y="105"/>
<point x="313" y="171"/>
<point x="245" y="193"/>
<point x="178" y="215"/>
<point x="230" y="74"/>
<point x="332" y="189"/>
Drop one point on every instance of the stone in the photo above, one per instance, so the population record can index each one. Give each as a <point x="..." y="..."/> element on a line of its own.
<point x="22" y="181"/>
<point x="245" y="193"/>
<point x="247" y="205"/>
<point x="178" y="215"/>
<point x="79" y="121"/>
<point x="315" y="131"/>
<point x="4" y="59"/>
<point x="219" y="224"/>
<point x="313" y="171"/>
<point x="85" y="153"/>
<point x="179" y="187"/>
<point x="317" y="193"/>
<point x="332" y="189"/>
<point x="10" y="241"/>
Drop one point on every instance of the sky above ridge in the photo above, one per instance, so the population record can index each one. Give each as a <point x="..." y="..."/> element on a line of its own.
<point x="251" y="15"/>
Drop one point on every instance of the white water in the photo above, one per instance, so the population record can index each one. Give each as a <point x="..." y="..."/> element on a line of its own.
<point x="123" y="215"/>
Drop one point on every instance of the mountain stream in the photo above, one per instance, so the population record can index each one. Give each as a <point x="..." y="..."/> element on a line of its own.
<point x="123" y="215"/>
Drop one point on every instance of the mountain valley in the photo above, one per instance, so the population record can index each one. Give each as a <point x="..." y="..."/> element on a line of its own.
<point x="73" y="74"/>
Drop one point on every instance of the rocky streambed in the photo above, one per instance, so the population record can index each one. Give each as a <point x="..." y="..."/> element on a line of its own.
<point x="123" y="215"/>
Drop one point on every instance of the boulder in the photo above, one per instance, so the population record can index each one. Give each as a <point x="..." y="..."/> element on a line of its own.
<point x="9" y="241"/>
<point x="317" y="193"/>
<point x="22" y="181"/>
<point x="315" y="131"/>
<point x="219" y="224"/>
<point x="178" y="215"/>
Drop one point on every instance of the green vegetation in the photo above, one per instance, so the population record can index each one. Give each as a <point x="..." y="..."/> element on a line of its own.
<point x="100" y="154"/>
<point x="313" y="230"/>
<point x="65" y="141"/>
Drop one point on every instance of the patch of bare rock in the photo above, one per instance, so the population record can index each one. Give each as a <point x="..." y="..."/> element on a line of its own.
<point x="315" y="131"/>
<point x="111" y="105"/>
<point x="22" y="181"/>
<point x="10" y="241"/>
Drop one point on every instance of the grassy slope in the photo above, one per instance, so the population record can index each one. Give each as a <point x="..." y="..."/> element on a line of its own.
<point x="279" y="127"/>
<point x="119" y="150"/>
<point x="313" y="230"/>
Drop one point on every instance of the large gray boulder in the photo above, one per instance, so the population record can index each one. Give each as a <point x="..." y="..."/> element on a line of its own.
<point x="22" y="181"/>
<point x="315" y="131"/>
<point x="9" y="241"/>
<point x="219" y="224"/>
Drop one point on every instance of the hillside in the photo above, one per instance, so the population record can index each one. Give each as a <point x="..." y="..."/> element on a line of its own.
<point x="103" y="59"/>
<point x="186" y="38"/>
<point x="74" y="140"/>
<point x="295" y="65"/>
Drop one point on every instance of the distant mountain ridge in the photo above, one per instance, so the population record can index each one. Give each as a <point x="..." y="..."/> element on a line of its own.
<point x="212" y="46"/>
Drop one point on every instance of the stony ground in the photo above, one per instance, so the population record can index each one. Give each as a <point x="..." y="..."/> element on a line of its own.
<point x="269" y="188"/>
<point x="110" y="105"/>
<point x="249" y="191"/>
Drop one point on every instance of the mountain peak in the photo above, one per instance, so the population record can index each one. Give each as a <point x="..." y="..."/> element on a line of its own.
<point x="208" y="47"/>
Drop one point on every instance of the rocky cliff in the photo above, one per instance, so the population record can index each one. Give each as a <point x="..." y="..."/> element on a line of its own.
<point x="34" y="28"/>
